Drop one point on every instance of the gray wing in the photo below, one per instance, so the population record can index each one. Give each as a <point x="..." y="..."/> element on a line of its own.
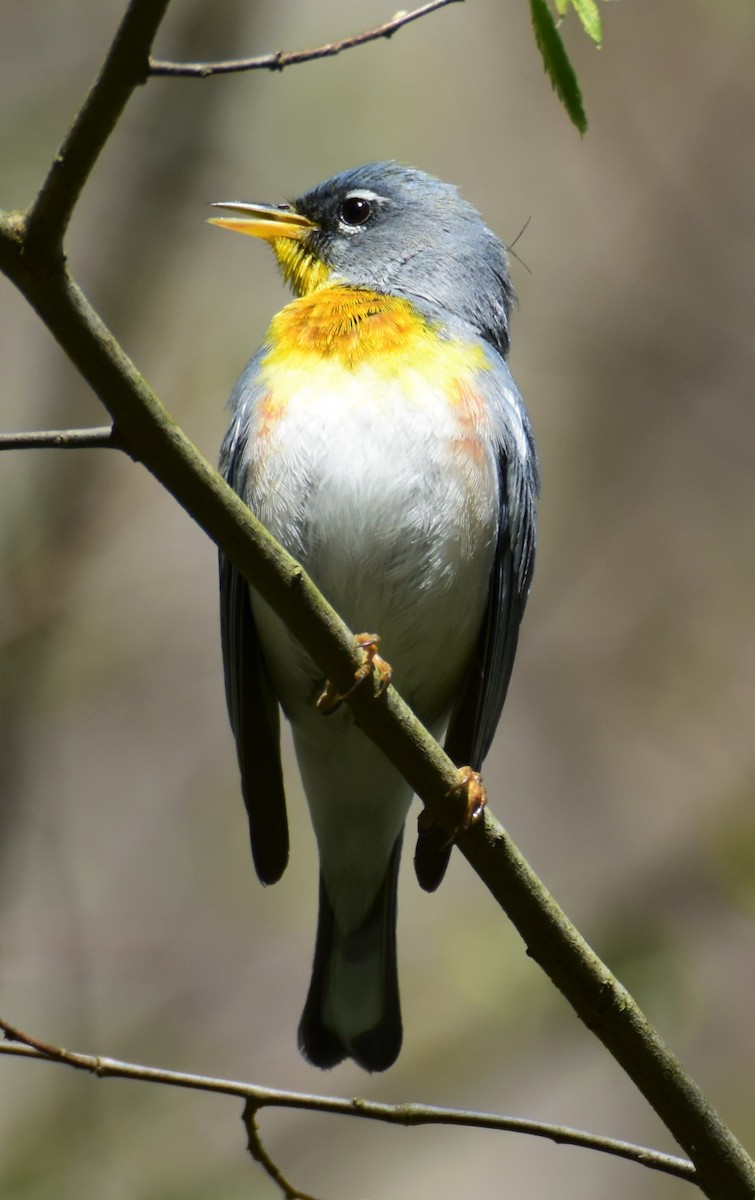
<point x="475" y="717"/>
<point x="252" y="702"/>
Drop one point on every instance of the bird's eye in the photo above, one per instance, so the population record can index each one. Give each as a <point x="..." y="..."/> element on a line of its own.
<point x="355" y="210"/>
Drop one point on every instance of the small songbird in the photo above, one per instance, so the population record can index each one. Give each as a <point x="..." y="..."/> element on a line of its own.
<point x="379" y="435"/>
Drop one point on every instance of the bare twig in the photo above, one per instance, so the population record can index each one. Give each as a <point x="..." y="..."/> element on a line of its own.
<point x="62" y="439"/>
<point x="258" y="1098"/>
<point x="287" y="58"/>
<point x="260" y="1155"/>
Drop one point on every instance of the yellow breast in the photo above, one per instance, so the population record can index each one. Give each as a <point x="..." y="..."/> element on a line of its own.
<point x="354" y="350"/>
<point x="348" y="328"/>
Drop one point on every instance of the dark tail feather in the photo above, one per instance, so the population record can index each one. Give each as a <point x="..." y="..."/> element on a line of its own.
<point x="351" y="972"/>
<point x="432" y="855"/>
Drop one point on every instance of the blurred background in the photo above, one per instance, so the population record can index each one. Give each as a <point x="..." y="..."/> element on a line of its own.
<point x="132" y="924"/>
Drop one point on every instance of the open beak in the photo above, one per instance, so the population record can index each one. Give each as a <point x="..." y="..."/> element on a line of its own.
<point x="268" y="221"/>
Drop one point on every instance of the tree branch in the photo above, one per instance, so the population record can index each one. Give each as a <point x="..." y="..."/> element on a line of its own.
<point x="258" y="1097"/>
<point x="256" y="1148"/>
<point x="31" y="256"/>
<point x="124" y="69"/>
<point x="151" y="436"/>
<point x="62" y="439"/>
<point x="287" y="58"/>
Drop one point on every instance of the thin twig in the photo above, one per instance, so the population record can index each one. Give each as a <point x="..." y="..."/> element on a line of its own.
<point x="287" y="58"/>
<point x="257" y="1098"/>
<point x="62" y="439"/>
<point x="260" y="1155"/>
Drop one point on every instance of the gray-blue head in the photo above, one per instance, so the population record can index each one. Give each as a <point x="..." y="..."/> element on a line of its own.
<point x="396" y="230"/>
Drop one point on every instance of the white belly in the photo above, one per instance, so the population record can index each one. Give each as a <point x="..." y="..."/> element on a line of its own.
<point x="390" y="502"/>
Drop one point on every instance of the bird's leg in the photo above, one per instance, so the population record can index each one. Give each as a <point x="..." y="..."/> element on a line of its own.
<point x="329" y="699"/>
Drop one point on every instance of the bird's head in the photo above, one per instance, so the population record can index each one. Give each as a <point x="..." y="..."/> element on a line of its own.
<point x="390" y="229"/>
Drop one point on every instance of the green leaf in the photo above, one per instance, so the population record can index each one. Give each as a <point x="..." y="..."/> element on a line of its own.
<point x="587" y="11"/>
<point x="562" y="7"/>
<point x="557" y="65"/>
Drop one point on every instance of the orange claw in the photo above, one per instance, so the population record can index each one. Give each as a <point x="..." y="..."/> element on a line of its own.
<point x="472" y="789"/>
<point x="369" y="642"/>
<point x="471" y="792"/>
<point x="329" y="699"/>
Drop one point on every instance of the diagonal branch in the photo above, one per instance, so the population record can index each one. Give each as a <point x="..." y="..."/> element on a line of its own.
<point x="124" y="69"/>
<point x="258" y="1097"/>
<point x="287" y="58"/>
<point x="31" y="256"/>
<point x="151" y="436"/>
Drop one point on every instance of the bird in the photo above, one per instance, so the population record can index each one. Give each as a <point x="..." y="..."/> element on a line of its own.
<point x="378" y="434"/>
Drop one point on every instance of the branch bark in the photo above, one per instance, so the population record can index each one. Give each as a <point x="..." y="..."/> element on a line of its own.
<point x="61" y="439"/>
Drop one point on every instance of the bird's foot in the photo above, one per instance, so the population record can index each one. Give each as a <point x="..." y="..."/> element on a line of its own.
<point x="471" y="791"/>
<point x="472" y="798"/>
<point x="329" y="699"/>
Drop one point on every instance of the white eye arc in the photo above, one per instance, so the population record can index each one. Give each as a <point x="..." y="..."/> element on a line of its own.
<point x="357" y="208"/>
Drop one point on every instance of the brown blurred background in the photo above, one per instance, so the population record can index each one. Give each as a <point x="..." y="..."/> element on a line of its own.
<point x="132" y="924"/>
